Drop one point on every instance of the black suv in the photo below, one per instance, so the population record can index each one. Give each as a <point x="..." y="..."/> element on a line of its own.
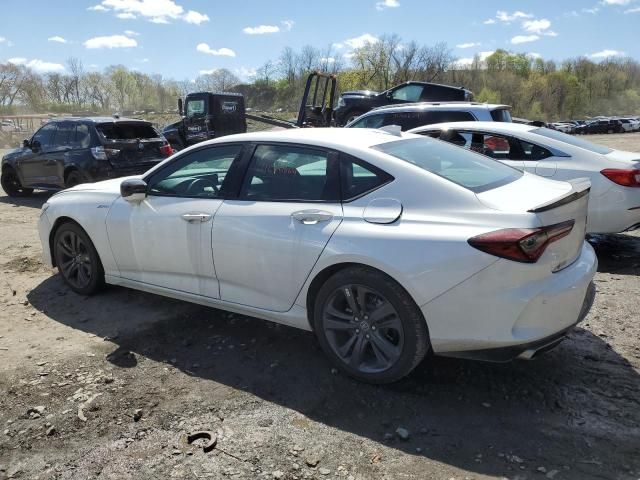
<point x="69" y="151"/>
<point x="353" y="104"/>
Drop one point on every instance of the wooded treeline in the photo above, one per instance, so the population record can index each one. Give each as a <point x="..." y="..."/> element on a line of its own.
<point x="535" y="88"/>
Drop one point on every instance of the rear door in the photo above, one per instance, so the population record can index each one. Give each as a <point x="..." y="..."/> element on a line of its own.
<point x="266" y="242"/>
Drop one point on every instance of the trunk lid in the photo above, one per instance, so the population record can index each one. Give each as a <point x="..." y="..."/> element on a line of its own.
<point x="552" y="203"/>
<point x="131" y="143"/>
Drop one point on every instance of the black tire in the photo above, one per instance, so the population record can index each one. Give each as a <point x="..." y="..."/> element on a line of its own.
<point x="77" y="259"/>
<point x="11" y="184"/>
<point x="73" y="178"/>
<point x="408" y="338"/>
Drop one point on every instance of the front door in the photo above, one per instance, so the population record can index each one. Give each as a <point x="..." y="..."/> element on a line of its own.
<point x="32" y="163"/>
<point x="267" y="241"/>
<point x="165" y="240"/>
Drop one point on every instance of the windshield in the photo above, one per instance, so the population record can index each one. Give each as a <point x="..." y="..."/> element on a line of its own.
<point x="473" y="171"/>
<point x="195" y="107"/>
<point x="571" y="140"/>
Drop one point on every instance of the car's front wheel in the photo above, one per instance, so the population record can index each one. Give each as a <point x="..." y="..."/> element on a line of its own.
<point x="77" y="259"/>
<point x="73" y="178"/>
<point x="369" y="326"/>
<point x="11" y="184"/>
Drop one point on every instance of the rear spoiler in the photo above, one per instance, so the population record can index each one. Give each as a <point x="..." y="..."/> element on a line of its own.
<point x="579" y="188"/>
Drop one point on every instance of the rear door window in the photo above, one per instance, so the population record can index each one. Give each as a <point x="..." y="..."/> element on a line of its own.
<point x="473" y="172"/>
<point x="408" y="93"/>
<point x="83" y="137"/>
<point x="291" y="173"/>
<point x="370" y="121"/>
<point x="127" y="131"/>
<point x="445" y="117"/>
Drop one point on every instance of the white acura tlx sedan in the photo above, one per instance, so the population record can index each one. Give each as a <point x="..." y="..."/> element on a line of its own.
<point x="386" y="246"/>
<point x="614" y="204"/>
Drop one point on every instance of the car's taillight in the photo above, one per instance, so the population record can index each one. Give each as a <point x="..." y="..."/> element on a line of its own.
<point x="626" y="178"/>
<point x="101" y="153"/>
<point x="166" y="150"/>
<point x="521" y="244"/>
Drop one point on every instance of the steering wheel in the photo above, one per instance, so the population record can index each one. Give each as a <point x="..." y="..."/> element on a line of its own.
<point x="198" y="185"/>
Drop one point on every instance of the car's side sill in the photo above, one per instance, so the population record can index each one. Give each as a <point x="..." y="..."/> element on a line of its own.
<point x="295" y="317"/>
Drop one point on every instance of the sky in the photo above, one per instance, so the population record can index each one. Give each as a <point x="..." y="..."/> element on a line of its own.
<point x="181" y="39"/>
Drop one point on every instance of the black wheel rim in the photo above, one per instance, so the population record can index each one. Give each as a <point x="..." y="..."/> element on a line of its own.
<point x="73" y="259"/>
<point x="363" y="328"/>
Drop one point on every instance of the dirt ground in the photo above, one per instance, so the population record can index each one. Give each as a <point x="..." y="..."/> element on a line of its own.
<point x="108" y="386"/>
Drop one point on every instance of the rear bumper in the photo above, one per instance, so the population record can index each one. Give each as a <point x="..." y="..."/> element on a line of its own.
<point x="617" y="210"/>
<point x="508" y="309"/>
<point x="528" y="351"/>
<point x="109" y="172"/>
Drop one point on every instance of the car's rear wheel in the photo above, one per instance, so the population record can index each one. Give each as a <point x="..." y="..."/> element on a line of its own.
<point x="73" y="178"/>
<point x="77" y="259"/>
<point x="369" y="326"/>
<point x="11" y="184"/>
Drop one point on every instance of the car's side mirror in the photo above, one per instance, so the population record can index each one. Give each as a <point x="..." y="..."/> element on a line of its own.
<point x="180" y="106"/>
<point x="390" y="95"/>
<point x="133" y="190"/>
<point x="25" y="143"/>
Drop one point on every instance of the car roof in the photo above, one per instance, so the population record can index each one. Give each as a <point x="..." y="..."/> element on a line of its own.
<point x="503" y="127"/>
<point x="337" y="138"/>
<point x="420" y="106"/>
<point x="104" y="119"/>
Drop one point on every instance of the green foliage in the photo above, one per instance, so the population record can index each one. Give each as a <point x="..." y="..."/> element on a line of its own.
<point x="487" y="95"/>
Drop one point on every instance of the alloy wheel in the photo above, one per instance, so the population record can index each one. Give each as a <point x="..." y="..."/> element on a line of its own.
<point x="74" y="260"/>
<point x="363" y="328"/>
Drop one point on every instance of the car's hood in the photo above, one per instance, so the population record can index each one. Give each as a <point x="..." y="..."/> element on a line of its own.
<point x="620" y="155"/>
<point x="106" y="186"/>
<point x="360" y="93"/>
<point x="12" y="152"/>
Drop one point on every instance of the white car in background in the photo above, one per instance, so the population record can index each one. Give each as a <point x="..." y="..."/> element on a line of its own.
<point x="386" y="246"/>
<point x="614" y="204"/>
<point x="563" y="127"/>
<point x="630" y="124"/>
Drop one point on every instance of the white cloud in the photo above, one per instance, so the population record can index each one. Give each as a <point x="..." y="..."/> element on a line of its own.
<point x="7" y="42"/>
<point x="195" y="17"/>
<point x="208" y="72"/>
<point x="606" y="54"/>
<point x="633" y="10"/>
<point x="261" y="29"/>
<point x="245" y="73"/>
<point x="617" y="2"/>
<point x="288" y="24"/>
<point x="143" y="60"/>
<point x="131" y="33"/>
<point x="225" y="52"/>
<point x="111" y="41"/>
<point x="37" y="65"/>
<point x="57" y="39"/>
<point x="524" y="39"/>
<point x="507" y="17"/>
<point x="468" y="45"/>
<point x="489" y="21"/>
<point x="592" y="10"/>
<point x="387" y="4"/>
<point x="357" y="42"/>
<point x="468" y="61"/>
<point x="534" y="55"/>
<point x="327" y="59"/>
<point x="536" y="26"/>
<point x="155" y="11"/>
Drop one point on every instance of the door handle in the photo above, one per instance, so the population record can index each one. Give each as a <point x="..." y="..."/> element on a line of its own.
<point x="196" y="217"/>
<point x="311" y="217"/>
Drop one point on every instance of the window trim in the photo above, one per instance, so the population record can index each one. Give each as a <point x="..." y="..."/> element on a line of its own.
<point x="223" y="193"/>
<point x="331" y="154"/>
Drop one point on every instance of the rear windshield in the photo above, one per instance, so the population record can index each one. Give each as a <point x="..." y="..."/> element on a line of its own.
<point x="571" y="140"/>
<point x="473" y="171"/>
<point x="501" y="115"/>
<point x="127" y="131"/>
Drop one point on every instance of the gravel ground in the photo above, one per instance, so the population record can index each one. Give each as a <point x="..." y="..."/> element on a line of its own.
<point x="108" y="387"/>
